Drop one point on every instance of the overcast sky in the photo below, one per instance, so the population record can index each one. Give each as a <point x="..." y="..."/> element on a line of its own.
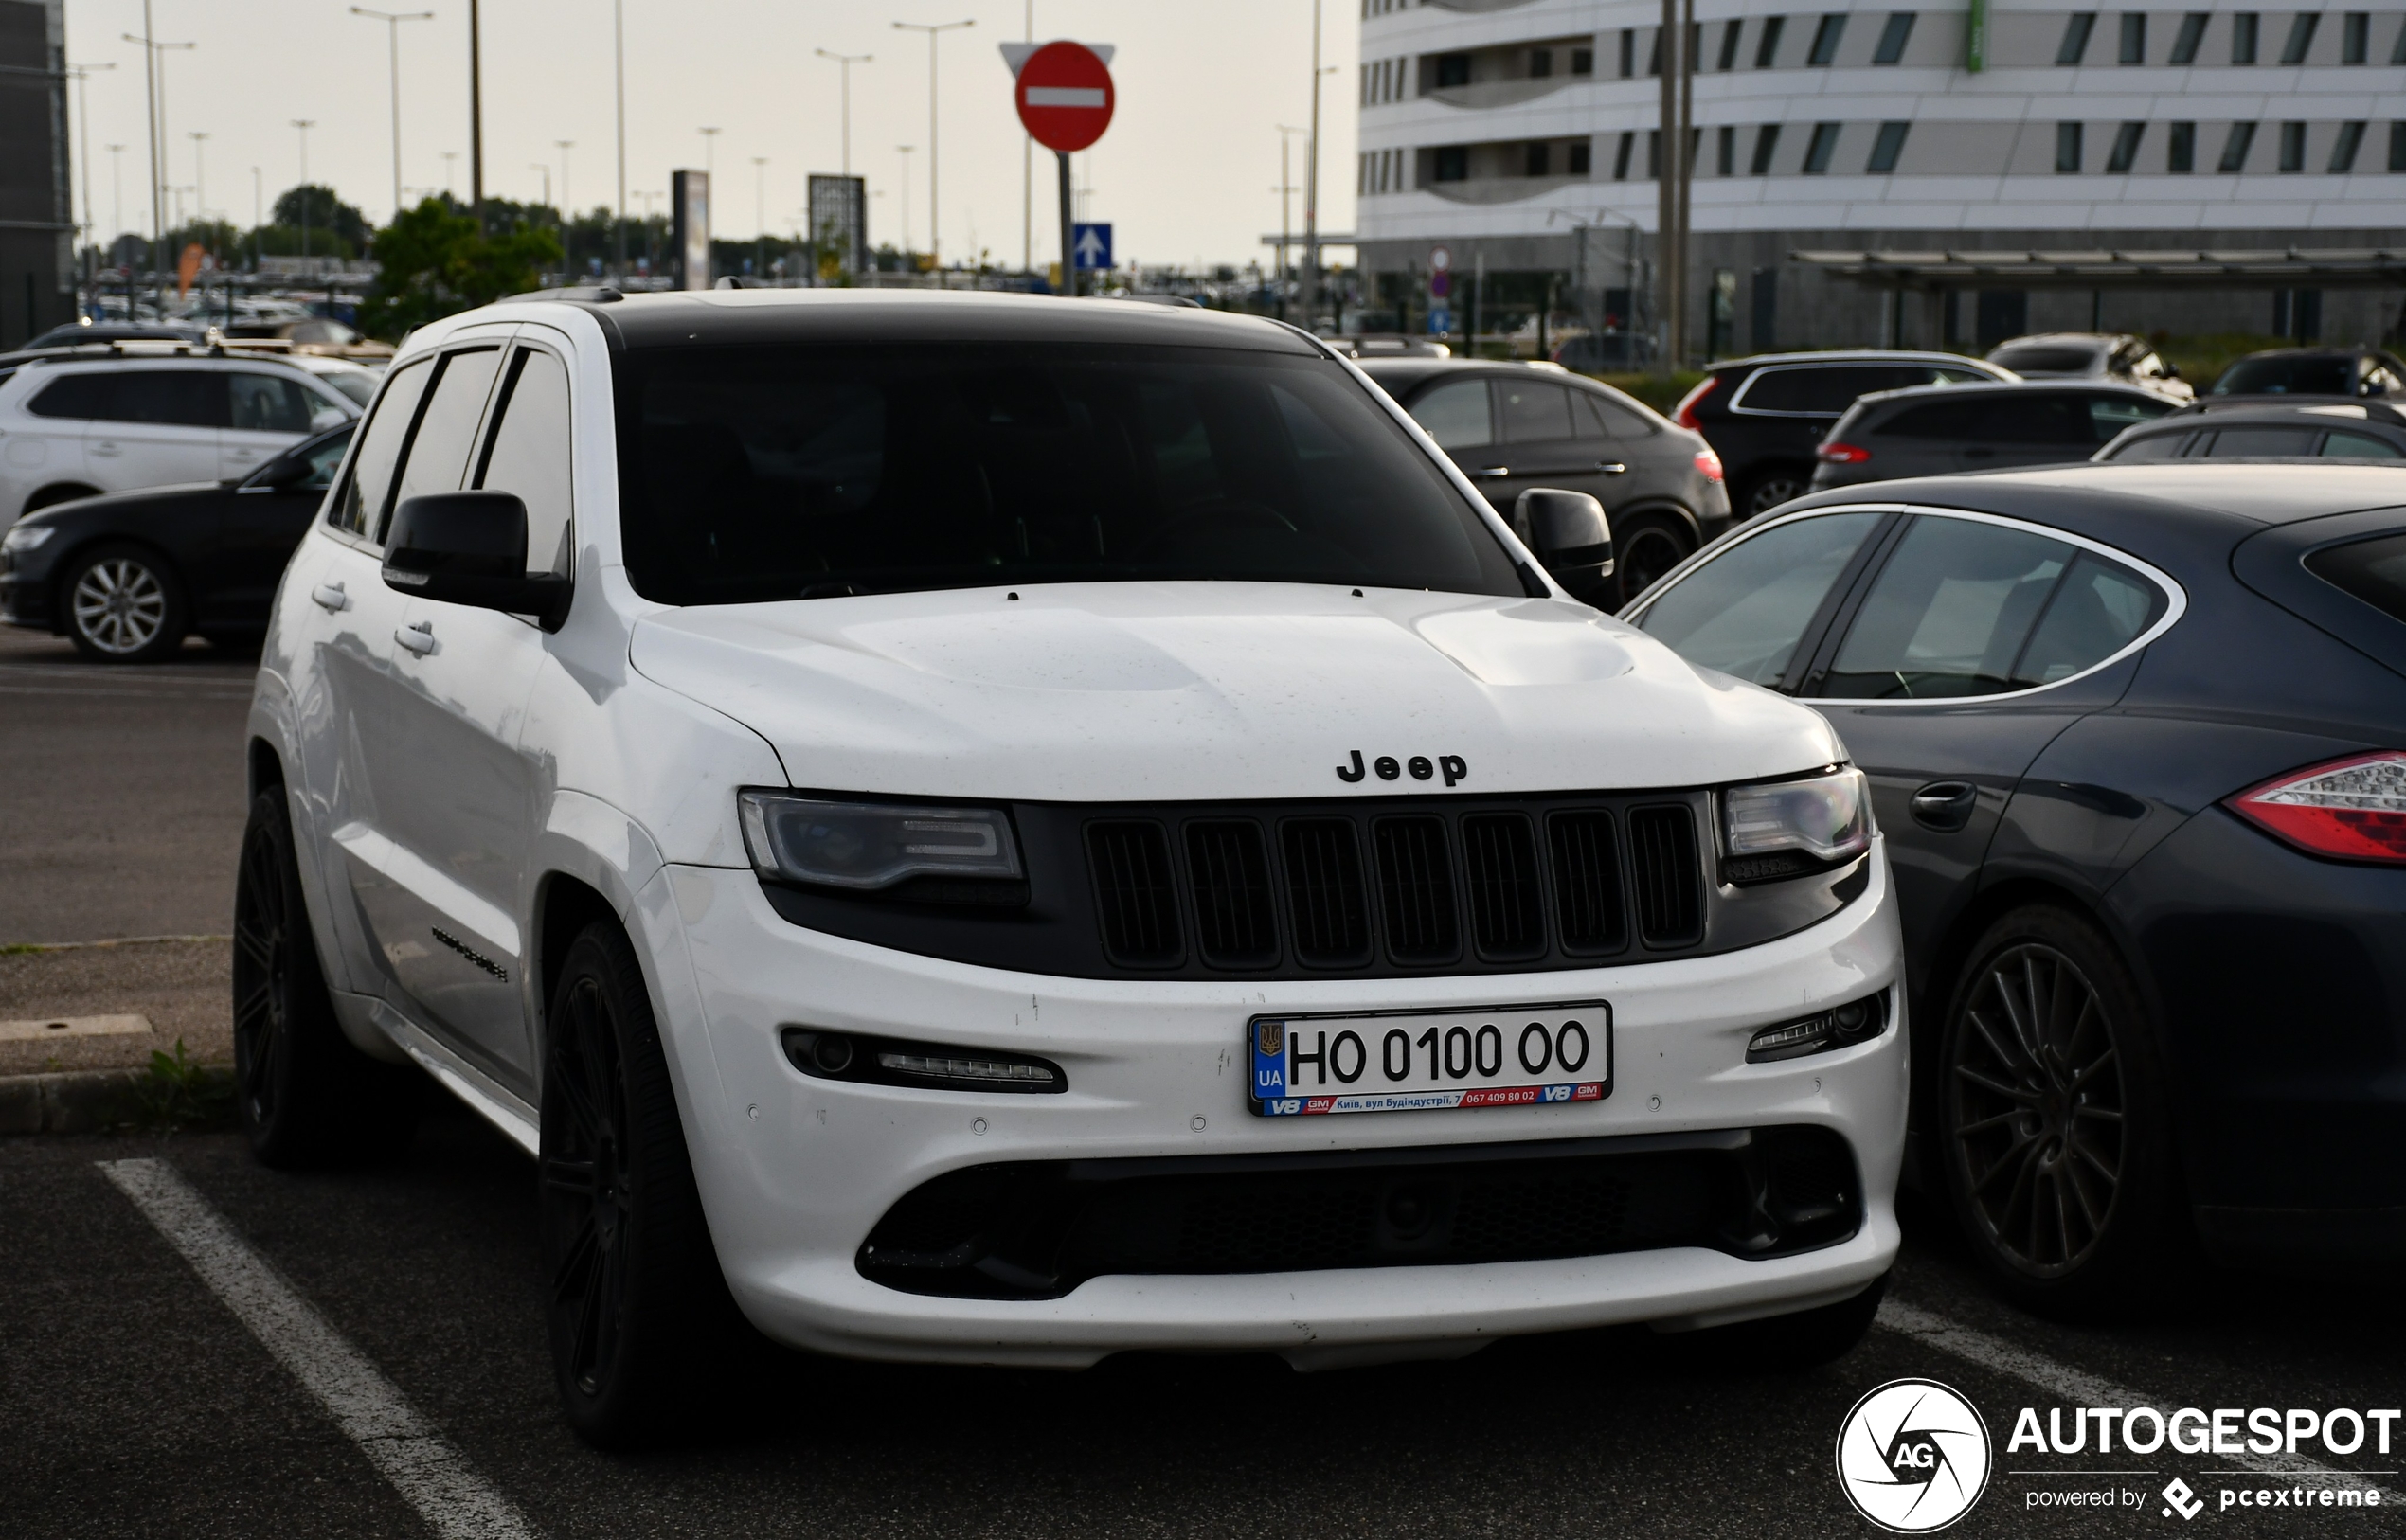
<point x="1187" y="172"/>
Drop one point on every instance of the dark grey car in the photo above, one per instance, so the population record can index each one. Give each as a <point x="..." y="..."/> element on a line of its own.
<point x="1513" y="426"/>
<point x="1935" y="429"/>
<point x="2268" y="427"/>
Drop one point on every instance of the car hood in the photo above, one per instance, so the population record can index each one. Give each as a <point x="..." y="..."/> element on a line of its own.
<point x="1194" y="690"/>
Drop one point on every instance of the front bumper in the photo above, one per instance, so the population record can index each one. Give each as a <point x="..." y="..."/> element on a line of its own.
<point x="795" y="1171"/>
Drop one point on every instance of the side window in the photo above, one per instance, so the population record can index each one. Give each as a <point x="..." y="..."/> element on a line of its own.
<point x="2040" y="420"/>
<point x="270" y="403"/>
<point x="324" y="461"/>
<point x="2357" y="446"/>
<point x="2155" y="446"/>
<point x="1456" y="415"/>
<point x="171" y="398"/>
<point x="1940" y="420"/>
<point x="1948" y="614"/>
<point x="1531" y="410"/>
<point x="529" y="454"/>
<point x="1745" y="611"/>
<point x="2098" y="610"/>
<point x="1607" y="419"/>
<point x="360" y="505"/>
<point x="85" y="395"/>
<point x="2234" y="442"/>
<point x="437" y="456"/>
<point x="2109" y="414"/>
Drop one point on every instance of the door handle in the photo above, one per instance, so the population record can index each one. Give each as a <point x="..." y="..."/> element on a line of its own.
<point x="1491" y="471"/>
<point x="1945" y="805"/>
<point x="1610" y="467"/>
<point x="419" y="639"/>
<point x="330" y="596"/>
<point x="106" y="449"/>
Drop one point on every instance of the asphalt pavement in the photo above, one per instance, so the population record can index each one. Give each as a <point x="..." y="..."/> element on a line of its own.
<point x="146" y="1389"/>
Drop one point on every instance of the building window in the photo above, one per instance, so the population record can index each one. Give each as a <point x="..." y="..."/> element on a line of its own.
<point x="1894" y="37"/>
<point x="2180" y="150"/>
<point x="2351" y="138"/>
<point x="2234" y="149"/>
<point x="1541" y="63"/>
<point x="2355" y="37"/>
<point x="1886" y="147"/>
<point x="2067" y="150"/>
<point x="1654" y="155"/>
<point x="1583" y="60"/>
<point x="2398" y="49"/>
<point x="1819" y="149"/>
<point x="1628" y="52"/>
<point x="1452" y="163"/>
<point x="2243" y="29"/>
<point x="2397" y="146"/>
<point x="2184" y="42"/>
<point x="2125" y="148"/>
<point x="2076" y="29"/>
<point x="1654" y="56"/>
<point x="1727" y="149"/>
<point x="1452" y="69"/>
<point x="1825" y="36"/>
<point x="1767" y="48"/>
<point x="1581" y="158"/>
<point x="1620" y="157"/>
<point x="1536" y="158"/>
<point x="1766" y="141"/>
<point x="2301" y="36"/>
<point x="2134" y="38"/>
<point x="2293" y="149"/>
<point x="1731" y="32"/>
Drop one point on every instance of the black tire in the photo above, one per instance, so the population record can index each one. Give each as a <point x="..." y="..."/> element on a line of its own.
<point x="1646" y="545"/>
<point x="122" y="604"/>
<point x="639" y="1316"/>
<point x="1767" y="488"/>
<point x="305" y="1095"/>
<point x="2053" y="1126"/>
<point x="1792" y="1344"/>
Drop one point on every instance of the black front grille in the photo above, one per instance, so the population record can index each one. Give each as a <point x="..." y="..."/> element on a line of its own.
<point x="1500" y="875"/>
<point x="1586" y="882"/>
<point x="1133" y="894"/>
<point x="1416" y="889"/>
<point x="1669" y="888"/>
<point x="1036" y="1229"/>
<point x="1233" y="920"/>
<point x="1325" y="892"/>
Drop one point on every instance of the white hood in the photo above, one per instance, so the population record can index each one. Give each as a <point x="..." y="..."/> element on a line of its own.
<point x="1107" y="692"/>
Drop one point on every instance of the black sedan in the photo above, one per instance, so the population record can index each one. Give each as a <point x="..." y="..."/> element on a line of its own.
<point x="127" y="577"/>
<point x="1511" y="428"/>
<point x="2137" y="735"/>
<point x="2267" y="426"/>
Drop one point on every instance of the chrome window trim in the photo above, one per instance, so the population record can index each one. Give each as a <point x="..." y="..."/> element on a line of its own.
<point x="1738" y="406"/>
<point x="2177" y="597"/>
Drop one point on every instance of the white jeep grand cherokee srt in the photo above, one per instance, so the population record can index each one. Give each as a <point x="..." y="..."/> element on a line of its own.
<point x="1000" y="830"/>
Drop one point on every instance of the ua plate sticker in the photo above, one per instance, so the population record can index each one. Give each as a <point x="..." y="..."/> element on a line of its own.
<point x="1423" y="1061"/>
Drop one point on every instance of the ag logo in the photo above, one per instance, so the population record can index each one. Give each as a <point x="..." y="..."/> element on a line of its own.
<point x="1913" y="1457"/>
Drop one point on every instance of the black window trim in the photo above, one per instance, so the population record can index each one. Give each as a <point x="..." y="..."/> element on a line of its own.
<point x="497" y="409"/>
<point x="433" y="358"/>
<point x="1829" y="623"/>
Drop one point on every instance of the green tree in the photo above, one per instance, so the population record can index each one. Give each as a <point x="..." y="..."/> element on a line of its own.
<point x="321" y="210"/>
<point x="433" y="263"/>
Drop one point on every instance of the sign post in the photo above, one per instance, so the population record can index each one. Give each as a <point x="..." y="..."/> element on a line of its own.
<point x="689" y="205"/>
<point x="1065" y="99"/>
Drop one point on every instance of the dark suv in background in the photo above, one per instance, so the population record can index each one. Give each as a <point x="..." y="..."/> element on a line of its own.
<point x="1936" y="429"/>
<point x="2353" y="373"/>
<point x="1766" y="415"/>
<point x="1513" y="426"/>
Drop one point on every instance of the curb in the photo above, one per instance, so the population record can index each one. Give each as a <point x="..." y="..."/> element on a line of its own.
<point x="83" y="1101"/>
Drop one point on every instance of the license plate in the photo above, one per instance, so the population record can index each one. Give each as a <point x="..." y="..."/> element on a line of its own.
<point x="1426" y="1061"/>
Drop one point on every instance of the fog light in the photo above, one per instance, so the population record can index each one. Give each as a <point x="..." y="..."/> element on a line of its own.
<point x="832" y="1052"/>
<point x="1840" y="1026"/>
<point x="885" y="1060"/>
<point x="948" y="1067"/>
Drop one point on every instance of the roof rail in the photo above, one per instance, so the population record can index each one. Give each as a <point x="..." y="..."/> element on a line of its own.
<point x="591" y="293"/>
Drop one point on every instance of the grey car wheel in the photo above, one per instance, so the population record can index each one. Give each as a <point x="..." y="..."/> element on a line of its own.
<point x="124" y="605"/>
<point x="1770" y="490"/>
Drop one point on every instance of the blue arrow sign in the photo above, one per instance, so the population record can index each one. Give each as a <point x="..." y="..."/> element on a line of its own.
<point x="1092" y="245"/>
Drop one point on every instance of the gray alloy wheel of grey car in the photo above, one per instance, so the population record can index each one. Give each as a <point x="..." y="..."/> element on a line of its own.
<point x="1767" y="491"/>
<point x="123" y="605"/>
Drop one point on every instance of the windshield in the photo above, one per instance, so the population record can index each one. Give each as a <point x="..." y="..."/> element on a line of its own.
<point x="770" y="472"/>
<point x="2327" y="375"/>
<point x="2050" y="359"/>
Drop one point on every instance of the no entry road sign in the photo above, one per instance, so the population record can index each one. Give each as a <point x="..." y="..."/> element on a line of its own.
<point x="1065" y="97"/>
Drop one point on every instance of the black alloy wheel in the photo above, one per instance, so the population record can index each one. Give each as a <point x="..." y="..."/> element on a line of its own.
<point x="2054" y="1139"/>
<point x="1772" y="487"/>
<point x="305" y="1095"/>
<point x="1644" y="550"/>
<point x="123" y="603"/>
<point x="636" y="1311"/>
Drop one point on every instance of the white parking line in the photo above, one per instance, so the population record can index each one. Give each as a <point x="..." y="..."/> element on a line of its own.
<point x="2075" y="1387"/>
<point x="369" y="1409"/>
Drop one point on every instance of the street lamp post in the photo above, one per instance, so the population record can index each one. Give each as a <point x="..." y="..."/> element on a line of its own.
<point x="83" y="134"/>
<point x="304" y="124"/>
<point x="544" y="168"/>
<point x="709" y="149"/>
<point x="392" y="21"/>
<point x="617" y="25"/>
<point x="844" y="62"/>
<point x="258" y="213"/>
<point x="154" y="101"/>
<point x="760" y="215"/>
<point x="906" y="150"/>
<point x="564" y="146"/>
<point x="200" y="182"/>
<point x="935" y="228"/>
<point x="1286" y="206"/>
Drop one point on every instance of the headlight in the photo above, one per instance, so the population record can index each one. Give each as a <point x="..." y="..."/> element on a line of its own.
<point x="25" y="537"/>
<point x="868" y="846"/>
<point x="1792" y="827"/>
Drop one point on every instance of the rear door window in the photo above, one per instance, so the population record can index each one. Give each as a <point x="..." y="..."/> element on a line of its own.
<point x="170" y="398"/>
<point x="2099" y="609"/>
<point x="1532" y="411"/>
<point x="270" y="403"/>
<point x="1939" y="420"/>
<point x="1949" y="614"/>
<point x="85" y="395"/>
<point x="2036" y="420"/>
<point x="1827" y="389"/>
<point x="2109" y="414"/>
<point x="2232" y="444"/>
<point x="1456" y="415"/>
<point x="360" y="505"/>
<point x="2359" y="447"/>
<point x="1745" y="611"/>
<point x="2154" y="446"/>
<point x="1606" y="418"/>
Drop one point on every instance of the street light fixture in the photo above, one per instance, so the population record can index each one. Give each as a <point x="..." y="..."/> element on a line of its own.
<point x="709" y="149"/>
<point x="304" y="124"/>
<point x="392" y="21"/>
<point x="200" y="183"/>
<point x="845" y="63"/>
<point x="935" y="227"/>
<point x="564" y="146"/>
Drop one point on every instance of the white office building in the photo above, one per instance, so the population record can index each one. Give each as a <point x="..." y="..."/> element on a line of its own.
<point x="1497" y="129"/>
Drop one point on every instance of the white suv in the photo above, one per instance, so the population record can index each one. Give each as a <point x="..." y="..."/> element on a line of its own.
<point x="97" y="420"/>
<point x="1002" y="829"/>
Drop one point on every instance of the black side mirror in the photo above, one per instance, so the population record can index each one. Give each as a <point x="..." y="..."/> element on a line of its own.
<point x="1573" y="538"/>
<point x="470" y="548"/>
